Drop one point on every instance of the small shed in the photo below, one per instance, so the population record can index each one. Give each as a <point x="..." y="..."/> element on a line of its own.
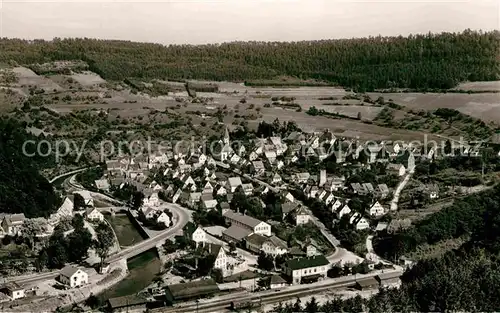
<point x="277" y="282"/>
<point x="388" y="278"/>
<point x="367" y="283"/>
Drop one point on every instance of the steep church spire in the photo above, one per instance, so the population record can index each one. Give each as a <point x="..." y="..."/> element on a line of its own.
<point x="226" y="137"/>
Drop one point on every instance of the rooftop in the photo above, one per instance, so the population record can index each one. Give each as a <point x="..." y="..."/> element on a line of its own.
<point x="69" y="271"/>
<point x="243" y="219"/>
<point x="192" y="289"/>
<point x="301" y="263"/>
<point x="236" y="232"/>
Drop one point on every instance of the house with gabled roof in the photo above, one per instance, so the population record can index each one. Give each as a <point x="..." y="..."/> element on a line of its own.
<point x="269" y="245"/>
<point x="288" y="208"/>
<point x="73" y="276"/>
<point x="359" y="221"/>
<point x="396" y="169"/>
<point x="270" y="156"/>
<point x="220" y="191"/>
<point x="208" y="188"/>
<point x="258" y="168"/>
<point x="301" y="177"/>
<point x="199" y="236"/>
<point x="234" y="159"/>
<point x="276" y="179"/>
<point x="311" y="191"/>
<point x="247" y="222"/>
<point x="208" y="202"/>
<point x="376" y="209"/>
<point x="343" y="210"/>
<point x="382" y="191"/>
<point x="12" y="224"/>
<point x="93" y="214"/>
<point x="302" y="216"/>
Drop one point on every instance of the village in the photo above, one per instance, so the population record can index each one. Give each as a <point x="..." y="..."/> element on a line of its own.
<point x="266" y="214"/>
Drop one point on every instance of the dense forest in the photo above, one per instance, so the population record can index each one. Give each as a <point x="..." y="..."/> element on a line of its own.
<point x="416" y="61"/>
<point x="462" y="280"/>
<point x="22" y="188"/>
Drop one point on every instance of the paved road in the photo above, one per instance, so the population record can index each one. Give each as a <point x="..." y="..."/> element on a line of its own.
<point x="183" y="217"/>
<point x="68" y="173"/>
<point x="238" y="172"/>
<point x="399" y="189"/>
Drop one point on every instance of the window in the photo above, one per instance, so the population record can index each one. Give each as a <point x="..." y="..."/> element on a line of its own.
<point x="315" y="270"/>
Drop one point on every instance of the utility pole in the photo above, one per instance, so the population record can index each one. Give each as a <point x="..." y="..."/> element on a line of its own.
<point x="197" y="303"/>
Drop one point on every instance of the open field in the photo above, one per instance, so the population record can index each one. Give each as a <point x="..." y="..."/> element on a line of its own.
<point x="27" y="78"/>
<point x="489" y="86"/>
<point x="485" y="106"/>
<point x="242" y="103"/>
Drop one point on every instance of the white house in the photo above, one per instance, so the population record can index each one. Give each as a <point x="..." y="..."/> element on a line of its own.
<point x="269" y="245"/>
<point x="187" y="181"/>
<point x="302" y="217"/>
<point x="221" y="259"/>
<point x="247" y="222"/>
<point x="397" y="169"/>
<point x="312" y="268"/>
<point x="12" y="224"/>
<point x="199" y="235"/>
<point x="14" y="290"/>
<point x="277" y="282"/>
<point x="274" y="246"/>
<point x="359" y="221"/>
<point x="92" y="214"/>
<point x="87" y="198"/>
<point x="162" y="217"/>
<point x="221" y="191"/>
<point x="377" y="209"/>
<point x="276" y="179"/>
<point x="208" y="188"/>
<point x="151" y="198"/>
<point x="73" y="277"/>
<point x="344" y="210"/>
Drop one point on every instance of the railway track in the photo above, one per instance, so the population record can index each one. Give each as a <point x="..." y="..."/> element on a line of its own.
<point x="268" y="297"/>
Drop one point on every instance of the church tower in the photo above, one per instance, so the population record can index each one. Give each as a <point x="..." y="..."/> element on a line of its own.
<point x="226" y="137"/>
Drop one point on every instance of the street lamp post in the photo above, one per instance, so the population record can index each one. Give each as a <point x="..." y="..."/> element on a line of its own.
<point x="197" y="303"/>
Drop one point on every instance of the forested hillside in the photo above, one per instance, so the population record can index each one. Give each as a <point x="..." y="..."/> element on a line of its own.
<point x="22" y="188"/>
<point x="419" y="62"/>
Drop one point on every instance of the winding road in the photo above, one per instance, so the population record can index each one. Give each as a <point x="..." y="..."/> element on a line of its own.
<point x="183" y="217"/>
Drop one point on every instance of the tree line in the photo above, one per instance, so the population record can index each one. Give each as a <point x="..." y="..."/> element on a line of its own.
<point x="22" y="188"/>
<point x="416" y="61"/>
